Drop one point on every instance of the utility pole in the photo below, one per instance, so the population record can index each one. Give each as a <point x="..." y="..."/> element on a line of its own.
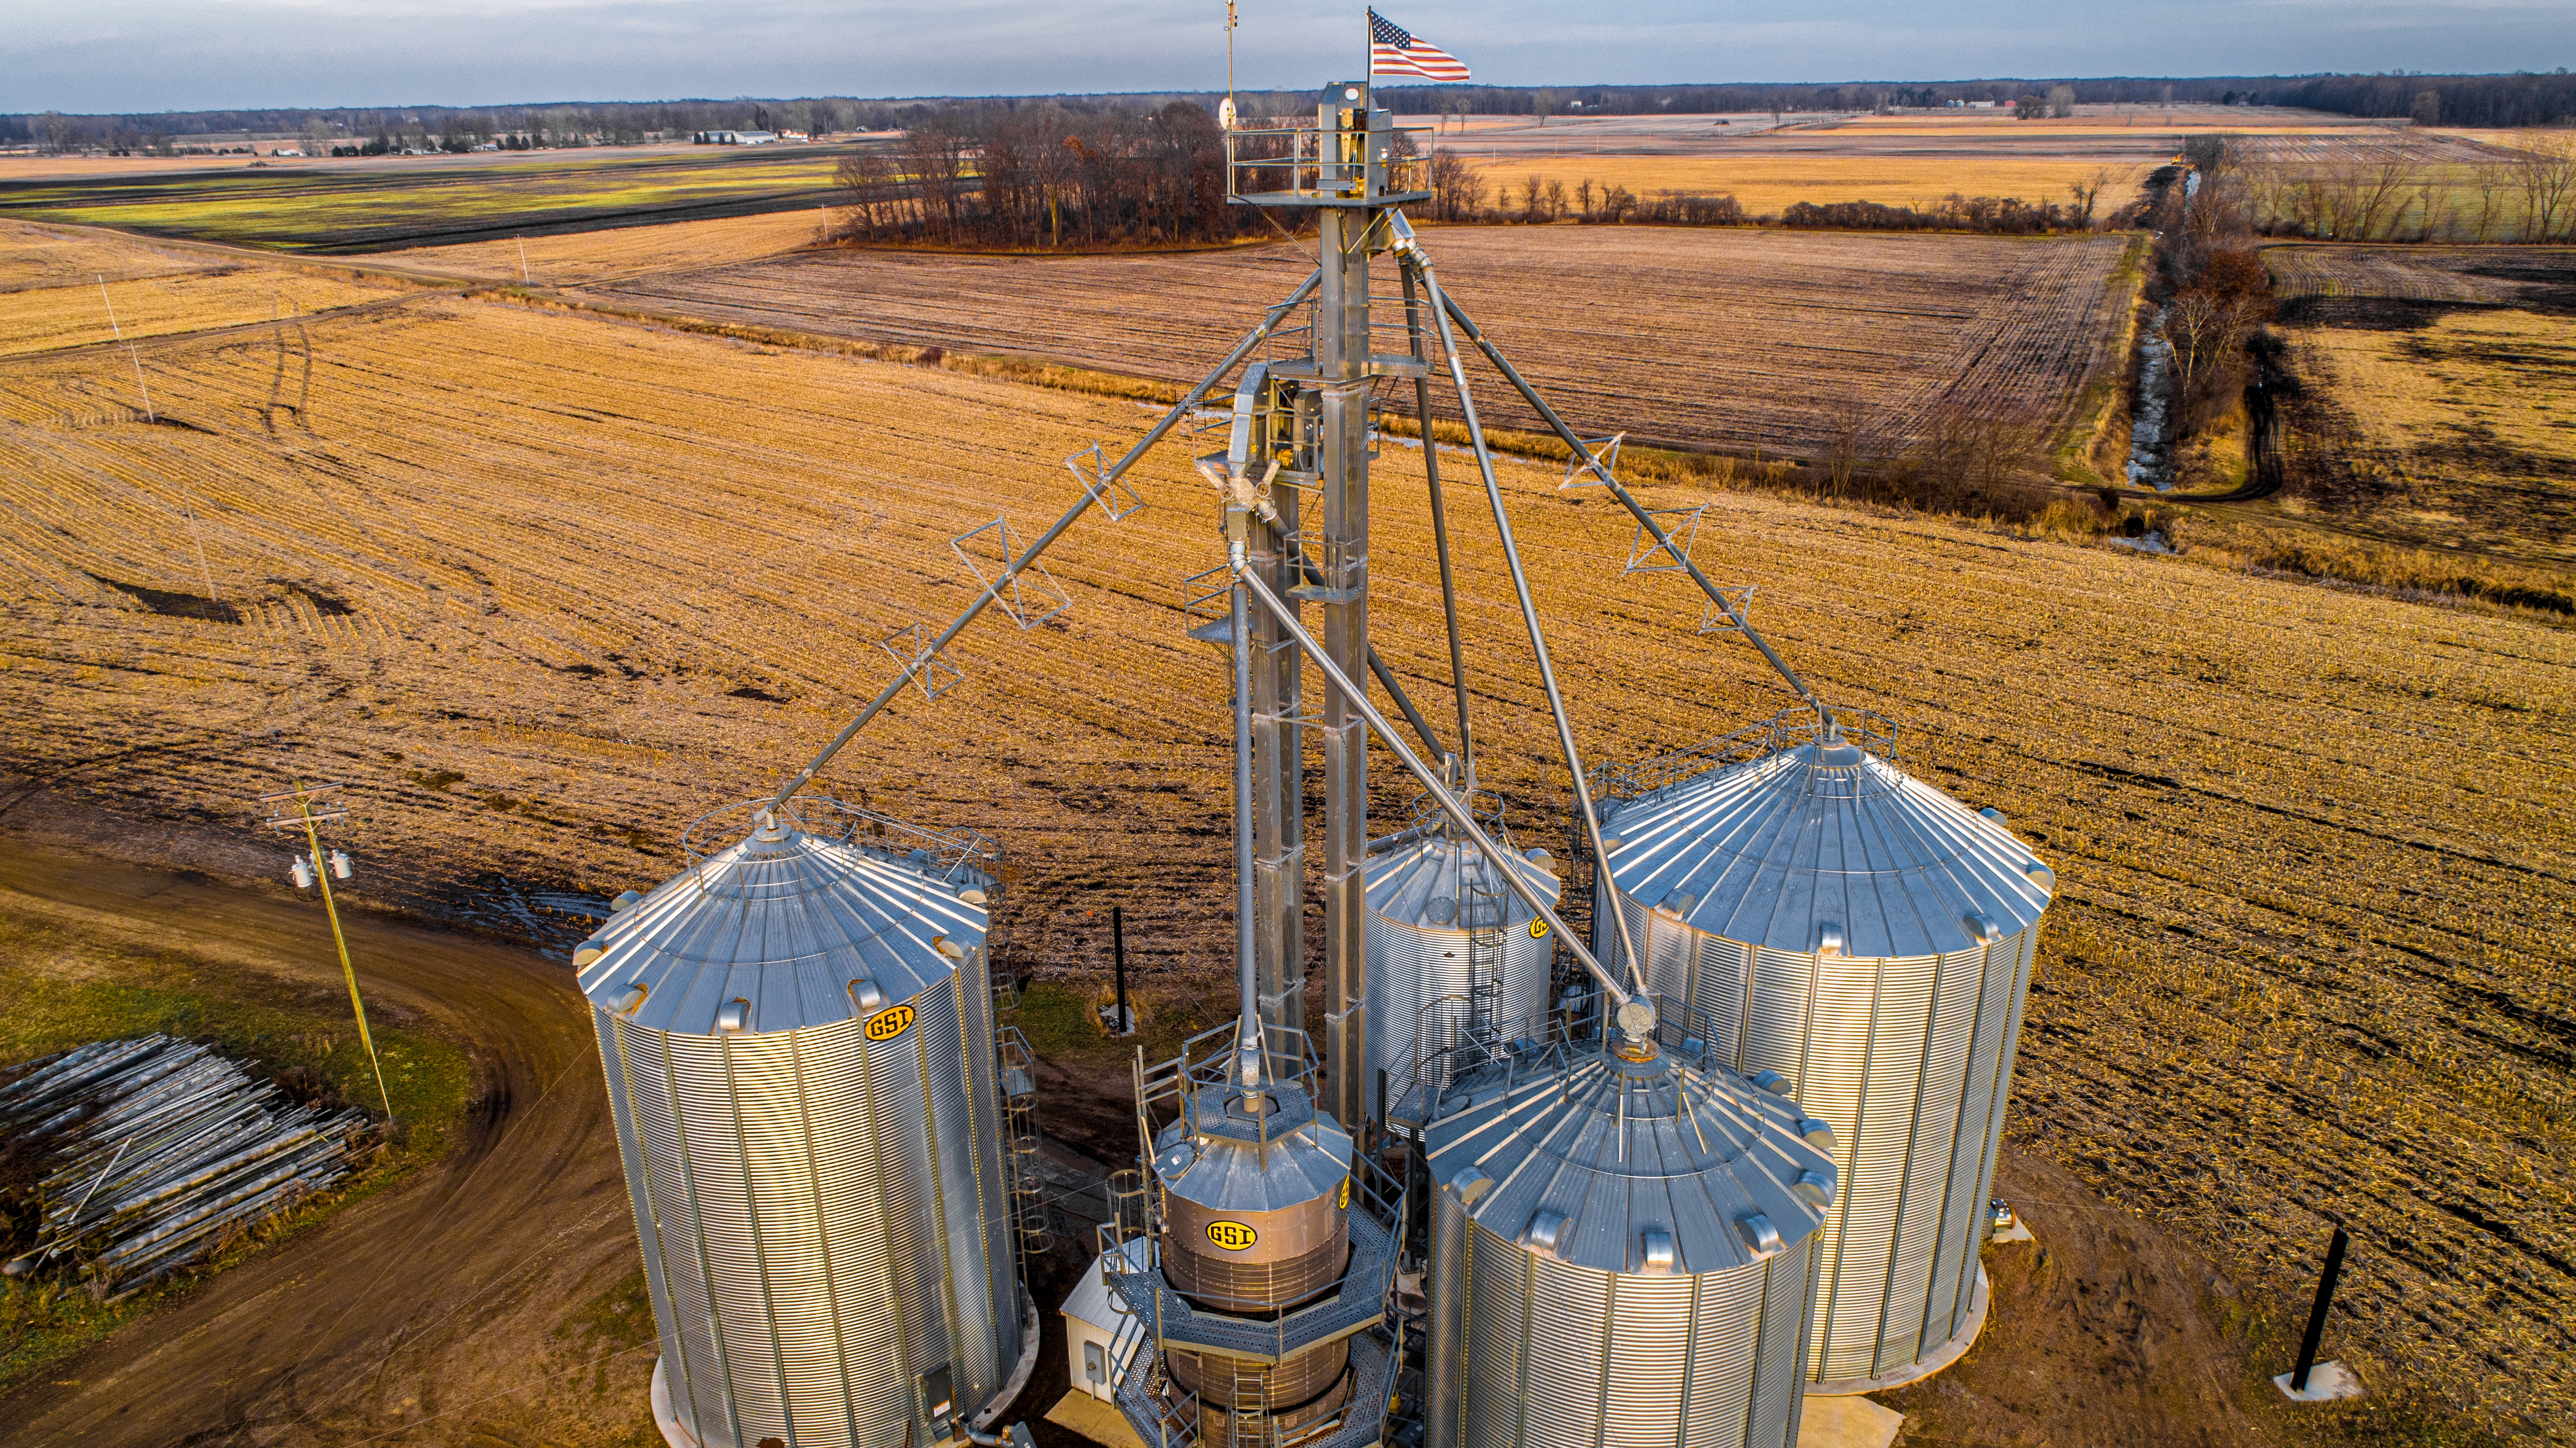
<point x="315" y="869"/>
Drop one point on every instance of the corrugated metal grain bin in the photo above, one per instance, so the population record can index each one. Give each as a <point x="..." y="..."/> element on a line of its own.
<point x="1866" y="940"/>
<point x="1447" y="942"/>
<point x="1621" y="1253"/>
<point x="799" y="1045"/>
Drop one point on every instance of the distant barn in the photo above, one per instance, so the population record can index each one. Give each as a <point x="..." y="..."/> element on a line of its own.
<point x="736" y="138"/>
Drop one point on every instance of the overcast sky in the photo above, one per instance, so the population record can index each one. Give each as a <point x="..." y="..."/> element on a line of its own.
<point x="149" y="55"/>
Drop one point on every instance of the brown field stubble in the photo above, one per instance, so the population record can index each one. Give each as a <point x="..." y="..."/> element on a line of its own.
<point x="2432" y="404"/>
<point x="1748" y="342"/>
<point x="522" y="577"/>
<point x="51" y="290"/>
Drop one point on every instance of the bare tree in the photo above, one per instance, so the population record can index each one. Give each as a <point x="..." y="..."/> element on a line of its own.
<point x="55" y="132"/>
<point x="2375" y="186"/>
<point x="2490" y="181"/>
<point x="1457" y="188"/>
<point x="2061" y="101"/>
<point x="2089" y="190"/>
<point x="1556" y="200"/>
<point x="2203" y="328"/>
<point x="2546" y="171"/>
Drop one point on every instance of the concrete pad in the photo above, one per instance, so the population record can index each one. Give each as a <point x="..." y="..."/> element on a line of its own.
<point x="1079" y="1412"/>
<point x="1847" y="1423"/>
<point x="2326" y="1382"/>
<point x="2019" y="1231"/>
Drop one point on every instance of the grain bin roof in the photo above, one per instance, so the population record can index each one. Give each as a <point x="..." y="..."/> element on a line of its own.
<point x="785" y="921"/>
<point x="1422" y="883"/>
<point x="1789" y="849"/>
<point x="1602" y="1162"/>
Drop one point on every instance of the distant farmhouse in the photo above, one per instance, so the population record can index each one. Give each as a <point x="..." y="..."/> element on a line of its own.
<point x="737" y="138"/>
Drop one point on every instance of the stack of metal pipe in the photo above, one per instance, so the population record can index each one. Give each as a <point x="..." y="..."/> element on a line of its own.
<point x="157" y="1147"/>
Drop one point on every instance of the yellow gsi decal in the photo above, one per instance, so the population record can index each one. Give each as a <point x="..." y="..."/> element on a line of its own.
<point x="1538" y="930"/>
<point x="1232" y="1236"/>
<point x="1346" y="1193"/>
<point x="889" y="1023"/>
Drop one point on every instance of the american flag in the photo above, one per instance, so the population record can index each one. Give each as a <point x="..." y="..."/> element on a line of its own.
<point x="1394" y="51"/>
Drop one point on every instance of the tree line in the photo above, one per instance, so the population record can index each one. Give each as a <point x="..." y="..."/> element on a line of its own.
<point x="2517" y="100"/>
<point x="1459" y="194"/>
<point x="2404" y="190"/>
<point x="1045" y="176"/>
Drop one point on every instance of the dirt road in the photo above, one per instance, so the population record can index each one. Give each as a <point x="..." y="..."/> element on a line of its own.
<point x="477" y="1303"/>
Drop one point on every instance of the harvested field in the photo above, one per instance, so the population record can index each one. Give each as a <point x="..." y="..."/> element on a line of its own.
<point x="542" y="586"/>
<point x="2311" y="280"/>
<point x="1750" y="342"/>
<point x="588" y="258"/>
<point x="2433" y="404"/>
<point x="1767" y="185"/>
<point x="1895" y="160"/>
<point x="358" y="207"/>
<point x="71" y="311"/>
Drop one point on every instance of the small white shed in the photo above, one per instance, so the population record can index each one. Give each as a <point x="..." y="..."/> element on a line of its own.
<point x="1100" y="1332"/>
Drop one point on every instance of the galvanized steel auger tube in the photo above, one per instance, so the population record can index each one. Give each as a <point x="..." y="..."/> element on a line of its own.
<point x="1419" y="265"/>
<point x="1015" y="567"/>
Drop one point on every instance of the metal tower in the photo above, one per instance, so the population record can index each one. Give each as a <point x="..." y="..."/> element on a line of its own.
<point x="1348" y="170"/>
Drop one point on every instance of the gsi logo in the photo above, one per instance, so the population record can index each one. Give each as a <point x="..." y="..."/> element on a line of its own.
<point x="1232" y="1236"/>
<point x="889" y="1023"/>
<point x="1538" y="930"/>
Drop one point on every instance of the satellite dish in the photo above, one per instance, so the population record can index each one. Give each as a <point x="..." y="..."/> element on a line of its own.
<point x="1225" y="113"/>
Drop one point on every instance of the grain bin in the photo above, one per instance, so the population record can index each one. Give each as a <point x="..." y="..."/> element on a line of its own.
<point x="1866" y="941"/>
<point x="1255" y="1195"/>
<point x="1448" y="944"/>
<point x="799" y="1045"/>
<point x="1621" y="1245"/>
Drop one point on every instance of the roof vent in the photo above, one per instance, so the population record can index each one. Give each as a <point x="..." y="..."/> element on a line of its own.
<point x="1979" y="930"/>
<point x="1759" y="1235"/>
<point x="1661" y="1259"/>
<point x="622" y="901"/>
<point x="1772" y="1081"/>
<point x="1610" y="844"/>
<point x="1545" y="1231"/>
<point x="630" y="1000"/>
<point x="1817" y="1133"/>
<point x="1829" y="938"/>
<point x="734" y="1016"/>
<point x="1470" y="1184"/>
<point x="947" y="947"/>
<point x="1992" y="813"/>
<point x="589" y="950"/>
<point x="865" y="995"/>
<point x="1815" y="1187"/>
<point x="1679" y="902"/>
<point x="2040" y="875"/>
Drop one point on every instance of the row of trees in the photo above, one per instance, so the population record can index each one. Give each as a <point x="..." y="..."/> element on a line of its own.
<point x="1458" y="193"/>
<point x="2404" y="191"/>
<point x="434" y="128"/>
<point x="1045" y="176"/>
<point x="2470" y="100"/>
<point x="2213" y="291"/>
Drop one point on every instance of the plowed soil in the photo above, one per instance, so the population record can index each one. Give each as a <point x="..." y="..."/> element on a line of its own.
<point x="1749" y="342"/>
<point x="542" y="587"/>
